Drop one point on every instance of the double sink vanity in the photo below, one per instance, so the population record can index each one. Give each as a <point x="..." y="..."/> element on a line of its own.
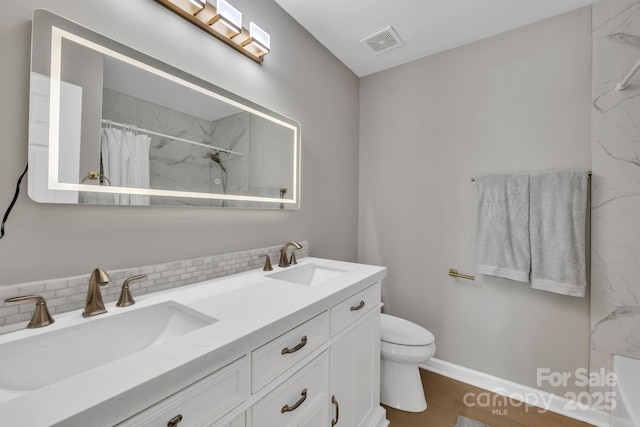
<point x="296" y="346"/>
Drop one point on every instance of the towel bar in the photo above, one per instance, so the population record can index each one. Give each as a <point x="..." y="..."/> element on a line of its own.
<point x="589" y="175"/>
<point x="454" y="273"/>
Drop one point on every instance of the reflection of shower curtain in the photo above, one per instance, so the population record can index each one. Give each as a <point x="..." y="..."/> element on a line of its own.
<point x="125" y="156"/>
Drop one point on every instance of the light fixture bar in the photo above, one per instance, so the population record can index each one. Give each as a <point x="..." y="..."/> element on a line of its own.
<point x="224" y="22"/>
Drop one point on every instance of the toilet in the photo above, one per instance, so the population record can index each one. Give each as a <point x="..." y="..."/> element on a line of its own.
<point x="403" y="345"/>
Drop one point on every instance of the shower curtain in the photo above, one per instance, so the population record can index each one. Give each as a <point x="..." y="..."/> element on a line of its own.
<point x="125" y="156"/>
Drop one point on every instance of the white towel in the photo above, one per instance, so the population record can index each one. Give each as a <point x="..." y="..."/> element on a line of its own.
<point x="558" y="208"/>
<point x="502" y="226"/>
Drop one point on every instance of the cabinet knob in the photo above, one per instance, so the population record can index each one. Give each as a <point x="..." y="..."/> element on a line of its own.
<point x="173" y="422"/>
<point x="335" y="402"/>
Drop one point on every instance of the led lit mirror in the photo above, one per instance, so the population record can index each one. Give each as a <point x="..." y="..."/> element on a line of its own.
<point x="111" y="125"/>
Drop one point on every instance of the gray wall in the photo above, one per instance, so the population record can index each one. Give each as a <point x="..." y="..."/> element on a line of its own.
<point x="299" y="79"/>
<point x="516" y="102"/>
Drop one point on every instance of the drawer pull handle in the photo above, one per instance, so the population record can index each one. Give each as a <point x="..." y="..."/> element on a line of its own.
<point x="173" y="422"/>
<point x="288" y="350"/>
<point x="335" y="402"/>
<point x="286" y="408"/>
<point x="358" y="307"/>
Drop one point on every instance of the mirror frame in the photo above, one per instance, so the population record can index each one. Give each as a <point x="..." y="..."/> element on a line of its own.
<point x="48" y="32"/>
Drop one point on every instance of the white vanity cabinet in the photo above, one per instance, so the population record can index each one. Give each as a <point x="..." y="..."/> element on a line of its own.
<point x="339" y="387"/>
<point x="323" y="372"/>
<point x="355" y="361"/>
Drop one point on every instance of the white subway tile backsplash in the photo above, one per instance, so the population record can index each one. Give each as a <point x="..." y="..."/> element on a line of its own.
<point x="9" y="311"/>
<point x="68" y="294"/>
<point x="55" y="285"/>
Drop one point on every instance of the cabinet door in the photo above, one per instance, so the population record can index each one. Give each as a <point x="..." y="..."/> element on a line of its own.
<point x="355" y="373"/>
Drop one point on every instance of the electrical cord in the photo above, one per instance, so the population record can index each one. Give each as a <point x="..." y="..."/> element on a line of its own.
<point x="13" y="202"/>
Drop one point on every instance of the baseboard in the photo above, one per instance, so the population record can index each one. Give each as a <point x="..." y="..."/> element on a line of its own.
<point x="378" y="418"/>
<point x="519" y="392"/>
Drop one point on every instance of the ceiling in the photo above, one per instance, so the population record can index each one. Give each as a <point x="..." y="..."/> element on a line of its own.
<point x="425" y="27"/>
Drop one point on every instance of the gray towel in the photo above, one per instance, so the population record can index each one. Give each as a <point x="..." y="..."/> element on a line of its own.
<point x="558" y="208"/>
<point x="502" y="226"/>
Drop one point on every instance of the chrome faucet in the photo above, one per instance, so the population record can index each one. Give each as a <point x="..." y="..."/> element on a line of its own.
<point x="284" y="262"/>
<point x="95" y="305"/>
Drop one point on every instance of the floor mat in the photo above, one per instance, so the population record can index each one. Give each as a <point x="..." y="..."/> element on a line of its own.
<point x="468" y="422"/>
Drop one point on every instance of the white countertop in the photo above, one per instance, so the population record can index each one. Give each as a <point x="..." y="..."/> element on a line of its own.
<point x="250" y="308"/>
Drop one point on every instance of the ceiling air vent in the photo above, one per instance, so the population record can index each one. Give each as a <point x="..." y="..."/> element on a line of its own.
<point x="383" y="40"/>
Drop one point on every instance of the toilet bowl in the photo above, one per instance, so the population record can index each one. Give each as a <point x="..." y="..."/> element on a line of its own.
<point x="403" y="345"/>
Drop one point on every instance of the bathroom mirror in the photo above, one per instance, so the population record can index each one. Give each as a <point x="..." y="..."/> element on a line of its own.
<point x="109" y="125"/>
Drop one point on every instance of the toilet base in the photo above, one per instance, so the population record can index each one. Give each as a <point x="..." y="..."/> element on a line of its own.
<point x="401" y="386"/>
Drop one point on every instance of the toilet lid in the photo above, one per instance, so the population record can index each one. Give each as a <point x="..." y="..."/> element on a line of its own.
<point x="400" y="331"/>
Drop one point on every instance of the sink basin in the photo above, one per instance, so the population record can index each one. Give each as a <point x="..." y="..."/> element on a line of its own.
<point x="37" y="361"/>
<point x="308" y="274"/>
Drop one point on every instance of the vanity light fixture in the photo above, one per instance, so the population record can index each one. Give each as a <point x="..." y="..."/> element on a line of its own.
<point x="259" y="41"/>
<point x="224" y="22"/>
<point x="228" y="19"/>
<point x="198" y="3"/>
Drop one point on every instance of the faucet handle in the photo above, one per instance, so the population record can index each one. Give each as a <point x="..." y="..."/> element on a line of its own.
<point x="125" y="295"/>
<point x="292" y="258"/>
<point x="41" y="316"/>
<point x="267" y="263"/>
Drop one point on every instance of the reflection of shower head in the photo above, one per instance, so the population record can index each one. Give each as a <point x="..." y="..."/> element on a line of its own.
<point x="216" y="158"/>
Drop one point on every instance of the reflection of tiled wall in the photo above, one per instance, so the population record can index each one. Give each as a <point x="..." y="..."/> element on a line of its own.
<point x="179" y="166"/>
<point x="70" y="293"/>
<point x="615" y="265"/>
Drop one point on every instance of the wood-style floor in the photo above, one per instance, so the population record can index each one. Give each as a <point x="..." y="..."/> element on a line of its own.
<point x="446" y="400"/>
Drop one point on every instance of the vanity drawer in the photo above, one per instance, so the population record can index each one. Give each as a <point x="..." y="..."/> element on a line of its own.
<point x="351" y="309"/>
<point x="318" y="416"/>
<point x="277" y="356"/>
<point x="203" y="402"/>
<point x="299" y="397"/>
<point x="239" y="421"/>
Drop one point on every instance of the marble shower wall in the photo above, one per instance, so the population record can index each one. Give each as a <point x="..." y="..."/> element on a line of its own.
<point x="615" y="263"/>
<point x="176" y="165"/>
